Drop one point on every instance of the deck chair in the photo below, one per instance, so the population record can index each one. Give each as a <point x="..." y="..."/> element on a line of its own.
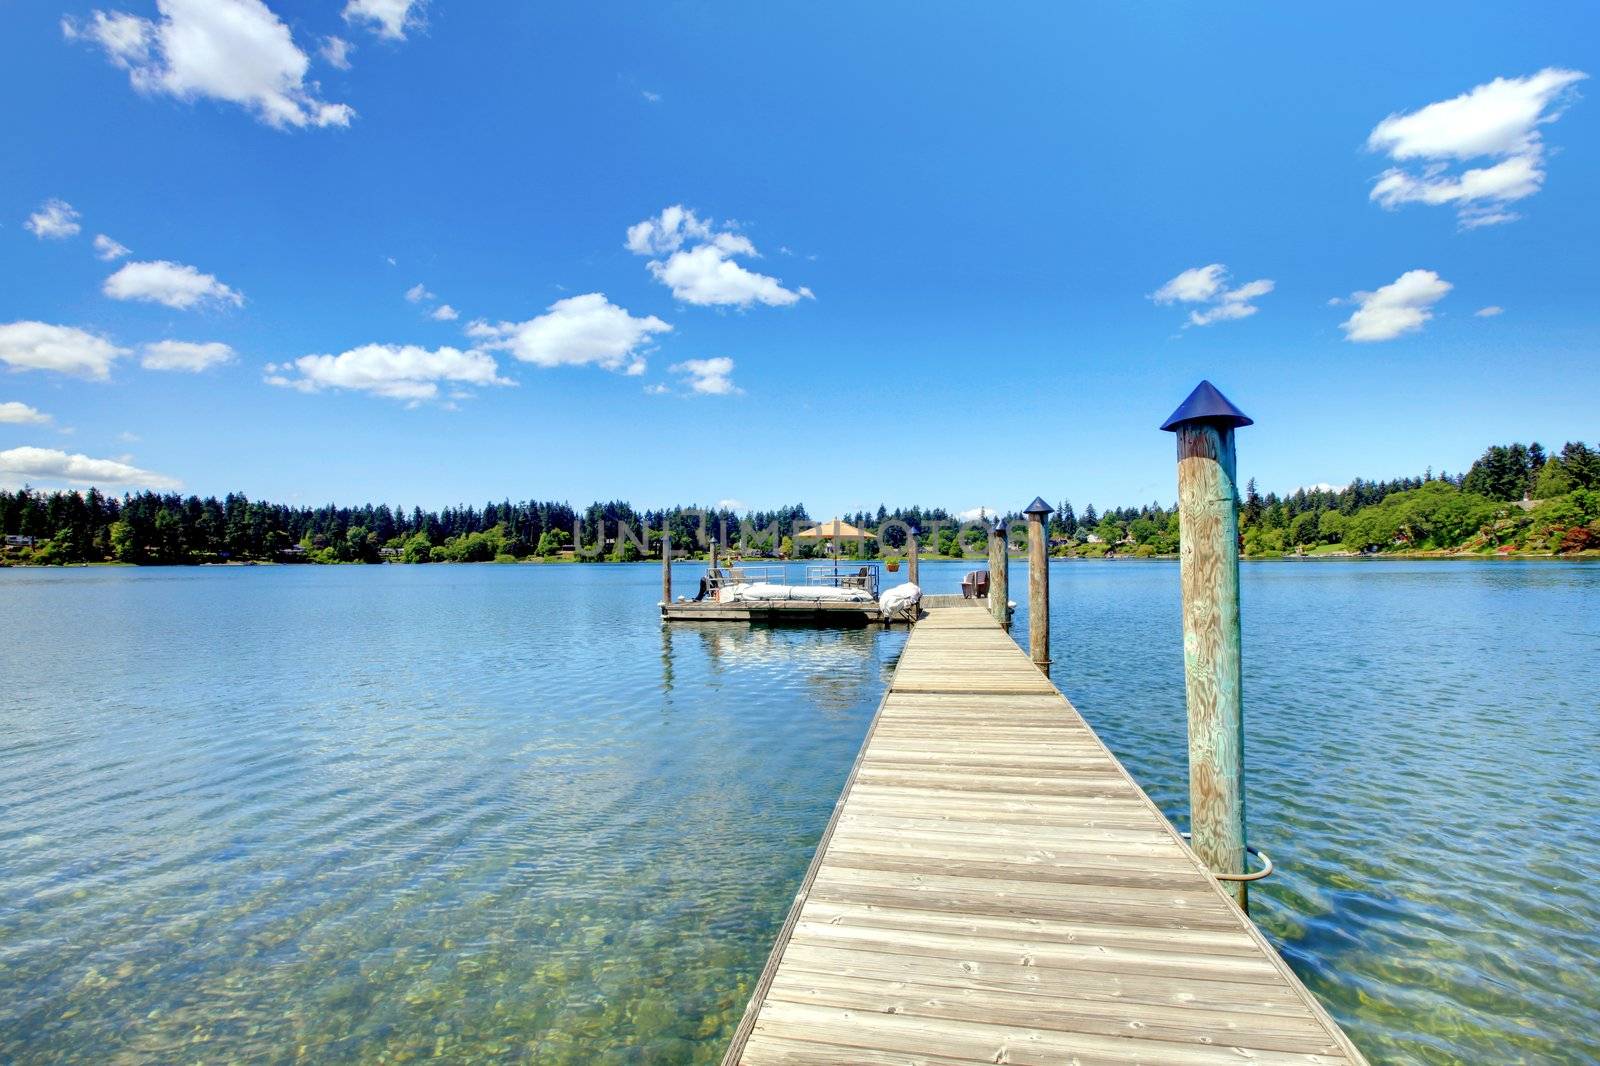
<point x="975" y="585"/>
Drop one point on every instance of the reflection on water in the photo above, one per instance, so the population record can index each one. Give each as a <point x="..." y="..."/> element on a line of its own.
<point x="335" y="814"/>
<point x="500" y="813"/>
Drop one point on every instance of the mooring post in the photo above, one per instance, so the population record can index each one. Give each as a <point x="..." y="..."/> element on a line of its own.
<point x="999" y="575"/>
<point x="1208" y="552"/>
<point x="666" y="565"/>
<point x="1039" y="584"/>
<point x="911" y="560"/>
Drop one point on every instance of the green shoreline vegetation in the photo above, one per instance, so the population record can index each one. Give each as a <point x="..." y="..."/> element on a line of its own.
<point x="1515" y="500"/>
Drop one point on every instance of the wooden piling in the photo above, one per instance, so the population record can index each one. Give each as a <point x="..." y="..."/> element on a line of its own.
<point x="666" y="566"/>
<point x="999" y="576"/>
<point x="1039" y="584"/>
<point x="911" y="561"/>
<point x="1208" y="509"/>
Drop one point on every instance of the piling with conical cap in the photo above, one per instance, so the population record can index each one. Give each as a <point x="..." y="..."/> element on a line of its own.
<point x="1208" y="517"/>
<point x="999" y="575"/>
<point x="666" y="564"/>
<point x="1039" y="583"/>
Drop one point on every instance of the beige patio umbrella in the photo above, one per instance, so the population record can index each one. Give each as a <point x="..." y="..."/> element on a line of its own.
<point x="834" y="531"/>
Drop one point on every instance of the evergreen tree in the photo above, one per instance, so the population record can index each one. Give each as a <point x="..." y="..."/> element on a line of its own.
<point x="150" y="527"/>
<point x="1504" y="472"/>
<point x="1252" y="503"/>
<point x="1066" y="519"/>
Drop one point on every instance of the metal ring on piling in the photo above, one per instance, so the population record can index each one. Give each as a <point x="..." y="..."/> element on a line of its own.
<point x="1266" y="866"/>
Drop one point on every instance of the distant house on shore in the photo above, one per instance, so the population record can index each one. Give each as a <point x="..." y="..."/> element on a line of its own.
<point x="17" y="540"/>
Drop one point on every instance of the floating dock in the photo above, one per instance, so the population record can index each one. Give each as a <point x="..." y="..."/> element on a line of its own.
<point x="780" y="612"/>
<point x="993" y="887"/>
<point x="784" y="607"/>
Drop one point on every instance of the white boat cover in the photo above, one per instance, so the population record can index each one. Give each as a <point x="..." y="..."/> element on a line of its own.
<point x="899" y="598"/>
<point x="810" y="593"/>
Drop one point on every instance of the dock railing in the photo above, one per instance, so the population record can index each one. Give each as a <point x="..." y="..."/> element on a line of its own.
<point x="846" y="574"/>
<point x="748" y="575"/>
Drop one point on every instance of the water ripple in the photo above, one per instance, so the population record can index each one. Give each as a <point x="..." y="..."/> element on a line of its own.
<point x="479" y="812"/>
<point x="1420" y="743"/>
<point x="498" y="813"/>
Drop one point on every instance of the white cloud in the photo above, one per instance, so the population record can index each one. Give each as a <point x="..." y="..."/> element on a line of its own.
<point x="127" y="39"/>
<point x="973" y="514"/>
<point x="1402" y="306"/>
<point x="52" y="465"/>
<point x="67" y="349"/>
<point x="1232" y="304"/>
<point x="705" y="275"/>
<point x="1321" y="486"/>
<point x="336" y="51"/>
<point x="709" y="376"/>
<point x="185" y="355"/>
<point x="1223" y="312"/>
<point x="20" y="414"/>
<point x="730" y="505"/>
<point x="107" y="250"/>
<point x="1498" y="120"/>
<point x="232" y="50"/>
<point x="1208" y="285"/>
<point x="386" y="18"/>
<point x="419" y="293"/>
<point x="399" y="372"/>
<point x="1489" y="312"/>
<point x="656" y="390"/>
<point x="575" y="331"/>
<point x="654" y="98"/>
<point x="1195" y="285"/>
<point x="56" y="220"/>
<point x="699" y="266"/>
<point x="176" y="285"/>
<point x="667" y="232"/>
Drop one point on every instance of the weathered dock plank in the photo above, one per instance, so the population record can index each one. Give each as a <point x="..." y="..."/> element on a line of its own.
<point x="994" y="887"/>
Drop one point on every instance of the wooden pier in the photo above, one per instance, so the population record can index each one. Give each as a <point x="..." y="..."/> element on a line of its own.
<point x="993" y="887"/>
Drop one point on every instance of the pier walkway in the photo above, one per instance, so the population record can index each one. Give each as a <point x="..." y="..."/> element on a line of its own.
<point x="993" y="887"/>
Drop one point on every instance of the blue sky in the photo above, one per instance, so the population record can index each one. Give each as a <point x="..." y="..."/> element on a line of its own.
<point x="929" y="254"/>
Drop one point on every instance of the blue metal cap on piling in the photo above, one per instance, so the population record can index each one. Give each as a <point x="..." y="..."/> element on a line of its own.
<point x="1038" y="506"/>
<point x="1206" y="404"/>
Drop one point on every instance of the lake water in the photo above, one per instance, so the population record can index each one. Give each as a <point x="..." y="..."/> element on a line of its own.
<point x="498" y="813"/>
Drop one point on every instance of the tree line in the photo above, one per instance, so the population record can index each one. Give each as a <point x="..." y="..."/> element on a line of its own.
<point x="1514" y="497"/>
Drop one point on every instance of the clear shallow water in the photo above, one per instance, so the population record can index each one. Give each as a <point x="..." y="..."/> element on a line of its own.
<point x="349" y="813"/>
<point x="498" y="814"/>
